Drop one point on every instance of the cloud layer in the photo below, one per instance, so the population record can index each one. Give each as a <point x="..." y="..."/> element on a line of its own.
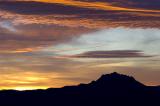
<point x="25" y="25"/>
<point x="53" y="43"/>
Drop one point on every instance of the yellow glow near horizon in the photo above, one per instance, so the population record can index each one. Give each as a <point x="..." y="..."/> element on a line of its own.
<point x="29" y="88"/>
<point x="32" y="80"/>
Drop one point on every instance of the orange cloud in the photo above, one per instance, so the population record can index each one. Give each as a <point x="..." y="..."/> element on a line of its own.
<point x="96" y="5"/>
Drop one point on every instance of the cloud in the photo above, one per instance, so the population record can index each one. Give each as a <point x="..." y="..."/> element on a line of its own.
<point x="7" y="25"/>
<point x="64" y="14"/>
<point x="145" y="4"/>
<point x="146" y="40"/>
<point x="112" y="54"/>
<point x="32" y="37"/>
<point x="31" y="7"/>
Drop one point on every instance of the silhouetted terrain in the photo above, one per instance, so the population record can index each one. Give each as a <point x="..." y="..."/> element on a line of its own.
<point x="109" y="90"/>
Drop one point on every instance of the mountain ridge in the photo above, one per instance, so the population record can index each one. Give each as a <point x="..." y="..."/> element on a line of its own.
<point x="110" y="89"/>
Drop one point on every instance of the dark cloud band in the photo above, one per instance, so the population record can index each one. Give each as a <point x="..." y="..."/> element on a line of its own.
<point x="112" y="54"/>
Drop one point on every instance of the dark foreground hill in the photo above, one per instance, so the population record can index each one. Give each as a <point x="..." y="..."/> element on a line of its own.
<point x="109" y="90"/>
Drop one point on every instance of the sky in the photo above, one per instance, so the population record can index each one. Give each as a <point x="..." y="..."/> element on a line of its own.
<point x="56" y="43"/>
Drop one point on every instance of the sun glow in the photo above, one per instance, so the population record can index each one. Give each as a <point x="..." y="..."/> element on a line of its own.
<point x="29" y="88"/>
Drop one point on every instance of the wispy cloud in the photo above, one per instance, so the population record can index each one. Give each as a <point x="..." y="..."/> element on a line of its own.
<point x="60" y="14"/>
<point x="7" y="25"/>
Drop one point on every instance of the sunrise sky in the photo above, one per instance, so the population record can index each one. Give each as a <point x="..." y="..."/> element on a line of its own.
<point x="54" y="43"/>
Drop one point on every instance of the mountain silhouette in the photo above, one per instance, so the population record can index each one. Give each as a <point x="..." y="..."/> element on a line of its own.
<point x="115" y="79"/>
<point x="109" y="90"/>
